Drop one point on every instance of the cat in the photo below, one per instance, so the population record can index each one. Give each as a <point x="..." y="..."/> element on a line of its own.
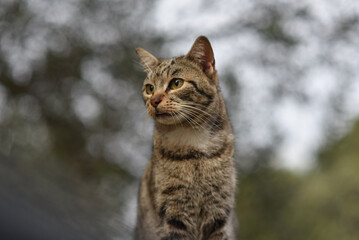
<point x="187" y="190"/>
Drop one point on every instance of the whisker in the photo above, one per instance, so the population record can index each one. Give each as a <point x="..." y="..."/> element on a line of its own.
<point x="194" y="116"/>
<point x="196" y="104"/>
<point x="209" y="119"/>
<point x="187" y="119"/>
<point x="196" y="108"/>
<point x="178" y="118"/>
<point x="204" y="124"/>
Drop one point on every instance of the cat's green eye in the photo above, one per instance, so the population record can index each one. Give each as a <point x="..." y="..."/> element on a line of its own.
<point x="175" y="83"/>
<point x="150" y="89"/>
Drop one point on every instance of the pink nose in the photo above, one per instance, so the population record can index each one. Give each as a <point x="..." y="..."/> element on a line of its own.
<point x="157" y="99"/>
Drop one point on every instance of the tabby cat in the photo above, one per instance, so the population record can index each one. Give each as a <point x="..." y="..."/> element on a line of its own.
<point x="187" y="190"/>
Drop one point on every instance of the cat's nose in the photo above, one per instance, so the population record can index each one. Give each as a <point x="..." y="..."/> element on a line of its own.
<point x="155" y="100"/>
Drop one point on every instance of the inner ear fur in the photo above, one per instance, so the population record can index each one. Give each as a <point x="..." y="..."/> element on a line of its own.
<point x="202" y="54"/>
<point x="148" y="61"/>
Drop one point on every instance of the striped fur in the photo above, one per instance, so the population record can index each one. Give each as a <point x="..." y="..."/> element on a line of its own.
<point x="187" y="190"/>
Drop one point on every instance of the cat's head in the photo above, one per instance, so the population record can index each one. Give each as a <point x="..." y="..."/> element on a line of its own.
<point x="180" y="90"/>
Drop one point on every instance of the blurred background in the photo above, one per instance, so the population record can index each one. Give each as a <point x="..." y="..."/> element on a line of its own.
<point x="75" y="137"/>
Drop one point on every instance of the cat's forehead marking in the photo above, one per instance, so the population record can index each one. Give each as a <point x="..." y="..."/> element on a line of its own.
<point x="176" y="71"/>
<point x="164" y="67"/>
<point x="162" y="72"/>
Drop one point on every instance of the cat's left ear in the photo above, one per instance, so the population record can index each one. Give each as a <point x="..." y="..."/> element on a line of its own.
<point x="147" y="60"/>
<point x="202" y="53"/>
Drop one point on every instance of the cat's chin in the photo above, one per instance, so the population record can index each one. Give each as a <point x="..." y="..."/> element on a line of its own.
<point x="166" y="119"/>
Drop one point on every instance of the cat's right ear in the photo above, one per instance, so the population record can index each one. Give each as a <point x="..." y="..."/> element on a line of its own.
<point x="147" y="60"/>
<point x="202" y="54"/>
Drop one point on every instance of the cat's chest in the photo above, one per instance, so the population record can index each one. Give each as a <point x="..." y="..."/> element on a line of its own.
<point x="197" y="176"/>
<point x="196" y="186"/>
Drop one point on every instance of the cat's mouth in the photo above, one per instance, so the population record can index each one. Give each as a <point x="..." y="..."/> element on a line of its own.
<point x="164" y="114"/>
<point x="160" y="114"/>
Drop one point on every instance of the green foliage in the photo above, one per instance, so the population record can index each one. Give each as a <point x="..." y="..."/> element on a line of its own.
<point x="322" y="204"/>
<point x="263" y="196"/>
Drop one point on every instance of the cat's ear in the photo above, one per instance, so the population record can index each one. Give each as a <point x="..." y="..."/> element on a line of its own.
<point x="202" y="53"/>
<point x="147" y="60"/>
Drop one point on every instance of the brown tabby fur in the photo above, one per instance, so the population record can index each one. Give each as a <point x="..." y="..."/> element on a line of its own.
<point x="187" y="190"/>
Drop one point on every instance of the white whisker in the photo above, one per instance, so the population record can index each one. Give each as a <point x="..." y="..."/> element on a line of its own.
<point x="192" y="104"/>
<point x="206" y="118"/>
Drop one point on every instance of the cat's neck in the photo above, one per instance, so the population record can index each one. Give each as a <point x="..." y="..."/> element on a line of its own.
<point x="182" y="137"/>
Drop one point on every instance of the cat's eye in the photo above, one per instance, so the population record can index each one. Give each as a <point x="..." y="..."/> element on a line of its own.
<point x="150" y="89"/>
<point x="175" y="83"/>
